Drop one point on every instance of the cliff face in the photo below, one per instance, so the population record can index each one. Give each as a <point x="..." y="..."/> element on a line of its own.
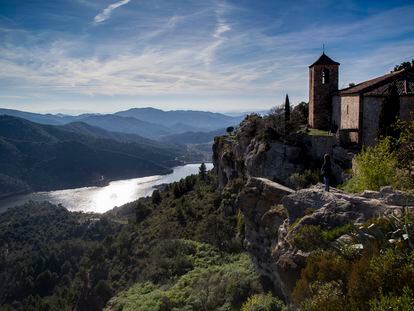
<point x="252" y="152"/>
<point x="274" y="214"/>
<point x="245" y="153"/>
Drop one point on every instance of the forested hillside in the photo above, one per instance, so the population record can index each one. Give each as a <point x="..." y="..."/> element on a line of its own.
<point x="44" y="157"/>
<point x="179" y="248"/>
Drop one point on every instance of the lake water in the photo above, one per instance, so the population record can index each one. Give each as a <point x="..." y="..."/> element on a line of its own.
<point x="102" y="199"/>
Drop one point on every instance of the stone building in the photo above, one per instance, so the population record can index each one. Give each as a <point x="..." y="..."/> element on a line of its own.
<point x="355" y="110"/>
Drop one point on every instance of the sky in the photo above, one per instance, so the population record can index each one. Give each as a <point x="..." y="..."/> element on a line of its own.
<point x="75" y="56"/>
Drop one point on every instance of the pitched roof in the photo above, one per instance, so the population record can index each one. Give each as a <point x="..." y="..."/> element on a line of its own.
<point x="404" y="80"/>
<point x="324" y="60"/>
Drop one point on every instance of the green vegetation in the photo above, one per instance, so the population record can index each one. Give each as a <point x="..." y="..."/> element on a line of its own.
<point x="303" y="180"/>
<point x="215" y="281"/>
<point x="310" y="237"/>
<point x="388" y="163"/>
<point x="42" y="247"/>
<point x="177" y="248"/>
<point x="405" y="65"/>
<point x="316" y="132"/>
<point x="47" y="157"/>
<point x="377" y="276"/>
<point x="263" y="302"/>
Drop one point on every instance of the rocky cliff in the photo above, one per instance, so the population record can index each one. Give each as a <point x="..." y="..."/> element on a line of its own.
<point x="256" y="149"/>
<point x="274" y="214"/>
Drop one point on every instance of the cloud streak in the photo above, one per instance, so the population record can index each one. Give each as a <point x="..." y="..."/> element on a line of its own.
<point x="106" y="13"/>
<point x="201" y="51"/>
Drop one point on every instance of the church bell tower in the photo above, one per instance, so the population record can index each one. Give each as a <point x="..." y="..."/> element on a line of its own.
<point x="323" y="83"/>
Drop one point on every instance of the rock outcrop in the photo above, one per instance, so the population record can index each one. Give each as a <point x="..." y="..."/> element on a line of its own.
<point x="259" y="204"/>
<point x="274" y="213"/>
<point x="248" y="152"/>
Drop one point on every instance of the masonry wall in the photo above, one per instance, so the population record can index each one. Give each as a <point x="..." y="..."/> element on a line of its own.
<point x="336" y="110"/>
<point x="349" y="112"/>
<point x="371" y="110"/>
<point x="320" y="96"/>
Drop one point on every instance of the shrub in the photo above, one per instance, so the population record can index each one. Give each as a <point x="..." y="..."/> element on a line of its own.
<point x="321" y="266"/>
<point x="309" y="238"/>
<point x="156" y="197"/>
<point x="300" y="181"/>
<point x="325" y="297"/>
<point x="333" y="234"/>
<point x="405" y="302"/>
<point x="373" y="168"/>
<point x="262" y="302"/>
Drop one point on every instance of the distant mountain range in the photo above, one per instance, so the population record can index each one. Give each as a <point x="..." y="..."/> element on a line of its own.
<point x="146" y="122"/>
<point x="45" y="157"/>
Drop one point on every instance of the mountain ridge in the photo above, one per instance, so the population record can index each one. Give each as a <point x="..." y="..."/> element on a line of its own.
<point x="49" y="157"/>
<point x="148" y="122"/>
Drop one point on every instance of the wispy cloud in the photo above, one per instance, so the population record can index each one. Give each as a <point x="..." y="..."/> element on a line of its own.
<point x="221" y="27"/>
<point x="106" y="13"/>
<point x="200" y="51"/>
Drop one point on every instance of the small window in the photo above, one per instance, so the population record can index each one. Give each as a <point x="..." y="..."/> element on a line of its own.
<point x="325" y="76"/>
<point x="347" y="112"/>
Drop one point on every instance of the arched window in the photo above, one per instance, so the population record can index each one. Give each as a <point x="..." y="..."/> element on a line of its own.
<point x="325" y="76"/>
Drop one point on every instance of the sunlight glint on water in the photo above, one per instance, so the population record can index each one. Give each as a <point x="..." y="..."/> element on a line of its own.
<point x="102" y="199"/>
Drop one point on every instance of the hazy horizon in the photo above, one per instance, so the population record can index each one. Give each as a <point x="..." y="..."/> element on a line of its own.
<point x="74" y="112"/>
<point x="220" y="56"/>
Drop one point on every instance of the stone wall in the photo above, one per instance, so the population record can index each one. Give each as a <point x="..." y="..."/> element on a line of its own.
<point x="318" y="146"/>
<point x="336" y="110"/>
<point x="320" y="95"/>
<point x="371" y="110"/>
<point x="349" y="112"/>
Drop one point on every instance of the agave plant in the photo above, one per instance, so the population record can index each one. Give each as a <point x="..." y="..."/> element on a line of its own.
<point x="383" y="232"/>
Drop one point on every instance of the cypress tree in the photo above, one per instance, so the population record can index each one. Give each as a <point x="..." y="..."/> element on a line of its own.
<point x="287" y="113"/>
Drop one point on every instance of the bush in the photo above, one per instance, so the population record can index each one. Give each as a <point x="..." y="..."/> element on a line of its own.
<point x="262" y="302"/>
<point x="309" y="238"/>
<point x="325" y="297"/>
<point x="405" y="302"/>
<point x="373" y="168"/>
<point x="321" y="266"/>
<point x="300" y="181"/>
<point x="156" y="197"/>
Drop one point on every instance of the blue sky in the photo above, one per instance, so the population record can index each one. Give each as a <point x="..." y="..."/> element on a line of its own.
<point x="108" y="55"/>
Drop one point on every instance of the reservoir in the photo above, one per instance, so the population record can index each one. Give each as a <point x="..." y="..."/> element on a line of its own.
<point x="102" y="199"/>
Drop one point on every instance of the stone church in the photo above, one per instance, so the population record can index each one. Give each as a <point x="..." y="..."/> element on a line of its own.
<point x="354" y="111"/>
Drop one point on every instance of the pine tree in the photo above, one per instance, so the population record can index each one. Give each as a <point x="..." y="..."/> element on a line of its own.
<point x="156" y="197"/>
<point x="203" y="171"/>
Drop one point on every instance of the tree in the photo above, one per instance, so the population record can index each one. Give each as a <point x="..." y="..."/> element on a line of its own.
<point x="299" y="115"/>
<point x="203" y="171"/>
<point x="287" y="114"/>
<point x="230" y="129"/>
<point x="156" y="197"/>
<point x="390" y="111"/>
<point x="287" y="109"/>
<point x="141" y="212"/>
<point x="404" y="65"/>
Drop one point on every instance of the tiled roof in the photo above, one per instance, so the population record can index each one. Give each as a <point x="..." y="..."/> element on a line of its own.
<point x="404" y="80"/>
<point x="324" y="60"/>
